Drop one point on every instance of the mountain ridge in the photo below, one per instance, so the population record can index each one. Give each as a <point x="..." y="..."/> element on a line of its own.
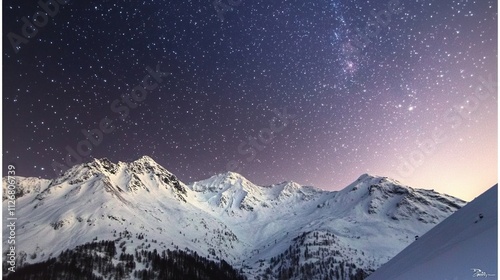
<point x="225" y="217"/>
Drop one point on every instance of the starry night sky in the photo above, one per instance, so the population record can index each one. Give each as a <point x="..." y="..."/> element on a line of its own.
<point x="397" y="96"/>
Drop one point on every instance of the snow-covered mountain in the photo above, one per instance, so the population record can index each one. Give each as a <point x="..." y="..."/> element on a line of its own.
<point x="283" y="231"/>
<point x="464" y="246"/>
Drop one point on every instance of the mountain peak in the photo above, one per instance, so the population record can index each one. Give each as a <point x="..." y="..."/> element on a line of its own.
<point x="104" y="164"/>
<point x="146" y="162"/>
<point x="372" y="182"/>
<point x="222" y="181"/>
<point x="146" y="159"/>
<point x="366" y="176"/>
<point x="229" y="177"/>
<point x="388" y="197"/>
<point x="231" y="174"/>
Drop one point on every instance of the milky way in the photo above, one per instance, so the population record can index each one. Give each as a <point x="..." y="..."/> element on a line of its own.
<point x="317" y="92"/>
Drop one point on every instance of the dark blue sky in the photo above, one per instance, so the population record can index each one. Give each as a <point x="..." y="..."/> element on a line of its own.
<point x="317" y="92"/>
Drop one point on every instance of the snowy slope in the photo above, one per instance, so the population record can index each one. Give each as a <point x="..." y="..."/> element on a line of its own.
<point x="101" y="200"/>
<point x="461" y="247"/>
<point x="260" y="229"/>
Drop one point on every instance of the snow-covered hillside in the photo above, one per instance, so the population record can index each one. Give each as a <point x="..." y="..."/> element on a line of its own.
<point x="284" y="230"/>
<point x="464" y="246"/>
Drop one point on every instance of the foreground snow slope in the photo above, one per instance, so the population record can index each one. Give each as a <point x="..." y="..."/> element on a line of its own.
<point x="463" y="246"/>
